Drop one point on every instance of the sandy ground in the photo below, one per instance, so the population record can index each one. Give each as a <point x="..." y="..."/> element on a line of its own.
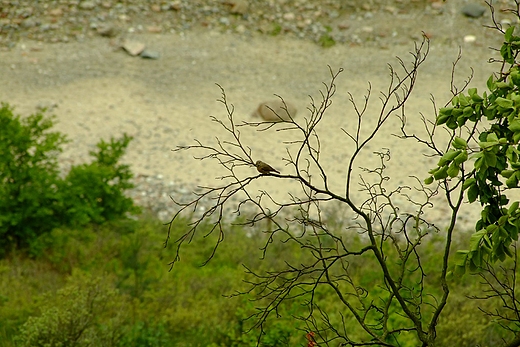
<point x="101" y="92"/>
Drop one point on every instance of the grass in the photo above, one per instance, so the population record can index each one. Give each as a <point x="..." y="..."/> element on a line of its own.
<point x="115" y="277"/>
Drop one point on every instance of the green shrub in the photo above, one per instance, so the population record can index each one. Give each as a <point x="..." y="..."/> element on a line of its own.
<point x="83" y="313"/>
<point x="34" y="199"/>
<point x="29" y="197"/>
<point x="95" y="192"/>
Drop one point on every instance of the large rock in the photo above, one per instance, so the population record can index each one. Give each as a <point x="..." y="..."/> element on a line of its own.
<point x="473" y="10"/>
<point x="133" y="47"/>
<point x="275" y="111"/>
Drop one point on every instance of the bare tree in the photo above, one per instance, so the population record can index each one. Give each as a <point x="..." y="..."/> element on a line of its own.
<point x="389" y="221"/>
<point x="378" y="220"/>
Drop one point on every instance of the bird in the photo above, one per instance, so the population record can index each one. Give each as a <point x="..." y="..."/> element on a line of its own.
<point x="264" y="168"/>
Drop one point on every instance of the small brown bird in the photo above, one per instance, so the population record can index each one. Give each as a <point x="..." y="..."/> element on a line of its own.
<point x="264" y="168"/>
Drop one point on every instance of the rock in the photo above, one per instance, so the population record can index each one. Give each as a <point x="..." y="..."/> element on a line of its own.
<point x="153" y="29"/>
<point x="289" y="16"/>
<point x="473" y="10"/>
<point x="344" y="25"/>
<point x="470" y="38"/>
<point x="107" y="31"/>
<point x="176" y="5"/>
<point x="240" y="29"/>
<point x="224" y="20"/>
<point x="437" y="5"/>
<point x="274" y="111"/>
<point x="133" y="47"/>
<point x="87" y="5"/>
<point x="238" y="6"/>
<point x="148" y="54"/>
<point x="29" y="23"/>
<point x="57" y="12"/>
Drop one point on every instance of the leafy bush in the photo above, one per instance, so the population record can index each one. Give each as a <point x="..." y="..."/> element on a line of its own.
<point x="77" y="316"/>
<point x="185" y="307"/>
<point x="95" y="192"/>
<point x="484" y="157"/>
<point x="34" y="199"/>
<point x="29" y="197"/>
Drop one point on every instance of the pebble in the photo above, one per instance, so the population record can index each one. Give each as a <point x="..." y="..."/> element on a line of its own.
<point x="60" y="21"/>
<point x="473" y="10"/>
<point x="239" y="7"/>
<point x="87" y="5"/>
<point x="289" y="16"/>
<point x="149" y="54"/>
<point x="470" y="38"/>
<point x="224" y="20"/>
<point x="273" y="111"/>
<point x="153" y="29"/>
<point x="107" y="31"/>
<point x="133" y="47"/>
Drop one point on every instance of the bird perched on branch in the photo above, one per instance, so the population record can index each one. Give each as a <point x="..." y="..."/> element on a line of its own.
<point x="264" y="168"/>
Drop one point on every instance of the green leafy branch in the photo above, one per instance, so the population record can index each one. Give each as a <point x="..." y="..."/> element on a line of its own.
<point x="493" y="148"/>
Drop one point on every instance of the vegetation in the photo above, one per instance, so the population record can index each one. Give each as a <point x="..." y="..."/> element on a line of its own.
<point x="34" y="199"/>
<point x="76" y="272"/>
<point x="109" y="286"/>
<point x="404" y="305"/>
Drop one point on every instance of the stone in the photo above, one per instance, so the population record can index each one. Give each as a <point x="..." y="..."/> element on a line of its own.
<point x="29" y="23"/>
<point x="224" y="20"/>
<point x="274" y="111"/>
<point x="57" y="12"/>
<point x="240" y="29"/>
<point x="239" y="7"/>
<point x="344" y="25"/>
<point x="107" y="31"/>
<point x="470" y="38"/>
<point x="289" y="16"/>
<point x="176" y="5"/>
<point x="149" y="54"/>
<point x="153" y="29"/>
<point x="133" y="48"/>
<point x="473" y="10"/>
<point x="87" y="5"/>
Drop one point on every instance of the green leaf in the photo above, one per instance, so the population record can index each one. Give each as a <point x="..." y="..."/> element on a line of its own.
<point x="480" y="163"/>
<point x="448" y="156"/>
<point x="460" y="258"/>
<point x="461" y="158"/>
<point x="453" y="170"/>
<point x="509" y="34"/>
<point x="491" y="158"/>
<point x="507" y="173"/>
<point x="468" y="183"/>
<point x="463" y="100"/>
<point x="442" y="119"/>
<point x="490" y="83"/>
<point x="475" y="261"/>
<point x="476" y="238"/>
<point x="512" y="181"/>
<point x="455" y="100"/>
<point x="459" y="143"/>
<point x="513" y="207"/>
<point x="442" y="173"/>
<point x="514" y="126"/>
<point x="428" y="180"/>
<point x="476" y="98"/>
<point x="507" y="54"/>
<point x="492" y="137"/>
<point x="473" y="193"/>
<point x="516" y="137"/>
